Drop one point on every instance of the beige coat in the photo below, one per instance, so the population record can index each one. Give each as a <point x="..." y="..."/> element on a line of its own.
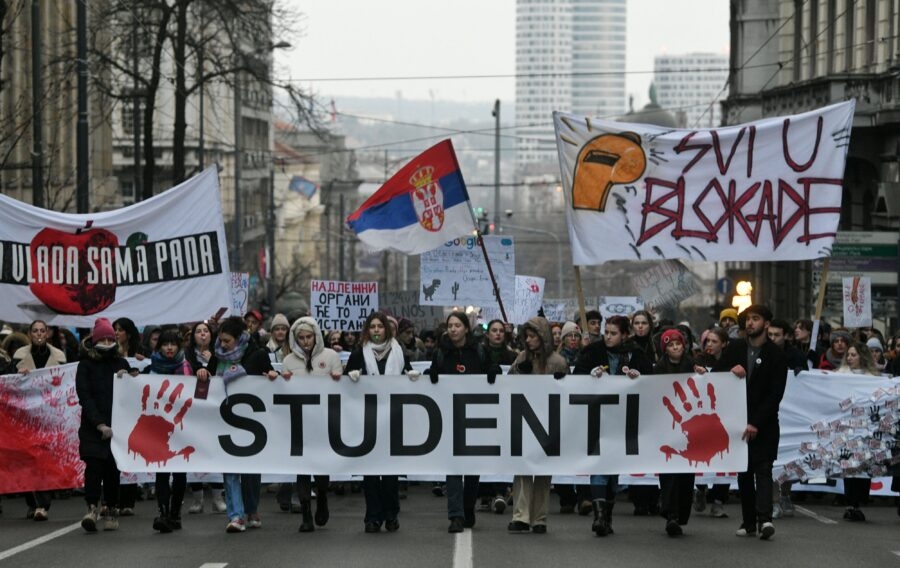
<point x="26" y="361"/>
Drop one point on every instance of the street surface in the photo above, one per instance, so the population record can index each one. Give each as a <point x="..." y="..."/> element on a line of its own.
<point x="816" y="536"/>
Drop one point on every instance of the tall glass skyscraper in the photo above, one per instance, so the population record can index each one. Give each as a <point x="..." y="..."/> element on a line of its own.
<point x="570" y="56"/>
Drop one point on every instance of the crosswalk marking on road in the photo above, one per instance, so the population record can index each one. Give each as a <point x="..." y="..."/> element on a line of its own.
<point x="816" y="516"/>
<point x="38" y="541"/>
<point x="462" y="550"/>
<point x="214" y="565"/>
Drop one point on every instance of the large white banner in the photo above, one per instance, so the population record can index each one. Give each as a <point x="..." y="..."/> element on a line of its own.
<point x="837" y="426"/>
<point x="161" y="259"/>
<point x="765" y="190"/>
<point x="831" y="425"/>
<point x="530" y="425"/>
<point x="456" y="273"/>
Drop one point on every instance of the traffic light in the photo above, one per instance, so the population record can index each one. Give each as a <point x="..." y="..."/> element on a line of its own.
<point x="742" y="298"/>
<point x="484" y="225"/>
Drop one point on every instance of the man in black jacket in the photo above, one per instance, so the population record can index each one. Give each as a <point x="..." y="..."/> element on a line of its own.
<point x="764" y="367"/>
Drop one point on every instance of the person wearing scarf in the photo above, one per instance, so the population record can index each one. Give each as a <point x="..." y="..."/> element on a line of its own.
<point x="831" y="359"/>
<point x="570" y="342"/>
<point x="168" y="359"/>
<point x="38" y="355"/>
<point x="532" y="492"/>
<point x="94" y="387"/>
<point x="615" y="355"/>
<point x="379" y="353"/>
<point x="199" y="354"/>
<point x="676" y="489"/>
<point x="237" y="357"/>
<point x="309" y="359"/>
<point x="495" y="341"/>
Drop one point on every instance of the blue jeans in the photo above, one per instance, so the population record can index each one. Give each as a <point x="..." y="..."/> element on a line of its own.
<point x="461" y="495"/>
<point x="241" y="493"/>
<point x="382" y="497"/>
<point x="604" y="487"/>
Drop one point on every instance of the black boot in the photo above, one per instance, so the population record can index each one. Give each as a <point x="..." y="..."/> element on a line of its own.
<point x="161" y="523"/>
<point x="175" y="516"/>
<point x="607" y="515"/>
<point x="601" y="524"/>
<point x="322" y="508"/>
<point x="307" y="524"/>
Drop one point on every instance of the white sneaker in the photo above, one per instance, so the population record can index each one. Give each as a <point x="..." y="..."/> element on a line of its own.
<point x="777" y="512"/>
<point x="236" y="525"/>
<point x="766" y="531"/>
<point x="219" y="502"/>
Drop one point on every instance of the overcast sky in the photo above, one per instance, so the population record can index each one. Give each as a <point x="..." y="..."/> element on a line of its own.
<point x="351" y="39"/>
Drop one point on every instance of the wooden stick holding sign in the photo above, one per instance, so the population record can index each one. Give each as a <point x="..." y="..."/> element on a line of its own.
<point x="820" y="304"/>
<point x="487" y="262"/>
<point x="823" y="283"/>
<point x="579" y="291"/>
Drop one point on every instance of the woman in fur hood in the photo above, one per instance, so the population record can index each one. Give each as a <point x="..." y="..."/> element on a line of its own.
<point x="309" y="356"/>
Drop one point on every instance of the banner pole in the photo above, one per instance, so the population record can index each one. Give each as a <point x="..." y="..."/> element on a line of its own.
<point x="823" y="283"/>
<point x="579" y="291"/>
<point x="487" y="261"/>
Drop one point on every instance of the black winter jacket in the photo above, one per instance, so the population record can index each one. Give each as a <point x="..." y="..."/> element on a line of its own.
<point x="94" y="381"/>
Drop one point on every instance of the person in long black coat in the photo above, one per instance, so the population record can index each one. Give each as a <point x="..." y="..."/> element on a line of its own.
<point x="459" y="353"/>
<point x="764" y="368"/>
<point x="94" y="387"/>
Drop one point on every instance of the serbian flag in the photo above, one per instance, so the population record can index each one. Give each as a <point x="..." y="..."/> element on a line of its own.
<point x="420" y="208"/>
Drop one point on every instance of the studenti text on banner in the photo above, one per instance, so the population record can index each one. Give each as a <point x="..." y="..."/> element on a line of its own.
<point x="380" y="425"/>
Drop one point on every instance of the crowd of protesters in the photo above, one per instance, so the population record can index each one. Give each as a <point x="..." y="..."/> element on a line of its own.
<point x="754" y="345"/>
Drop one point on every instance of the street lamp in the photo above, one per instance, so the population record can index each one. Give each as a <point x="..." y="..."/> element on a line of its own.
<point x="559" y="251"/>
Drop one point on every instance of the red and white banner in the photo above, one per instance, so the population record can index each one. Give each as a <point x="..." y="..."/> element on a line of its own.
<point x="158" y="259"/>
<point x="765" y="190"/>
<point x="856" y="293"/>
<point x="39" y="418"/>
<point x="521" y="424"/>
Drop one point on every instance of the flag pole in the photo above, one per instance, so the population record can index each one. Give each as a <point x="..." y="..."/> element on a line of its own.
<point x="579" y="291"/>
<point x="480" y="239"/>
<point x="487" y="262"/>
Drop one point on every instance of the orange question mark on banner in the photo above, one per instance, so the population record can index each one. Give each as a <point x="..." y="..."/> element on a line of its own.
<point x="603" y="161"/>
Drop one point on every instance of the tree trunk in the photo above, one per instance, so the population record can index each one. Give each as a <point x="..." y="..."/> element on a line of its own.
<point x="150" y="104"/>
<point x="180" y="125"/>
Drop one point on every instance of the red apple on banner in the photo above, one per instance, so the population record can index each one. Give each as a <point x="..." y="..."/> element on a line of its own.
<point x="75" y="298"/>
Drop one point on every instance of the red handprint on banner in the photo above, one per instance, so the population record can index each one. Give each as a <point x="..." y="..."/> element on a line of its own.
<point x="706" y="436"/>
<point x="150" y="436"/>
